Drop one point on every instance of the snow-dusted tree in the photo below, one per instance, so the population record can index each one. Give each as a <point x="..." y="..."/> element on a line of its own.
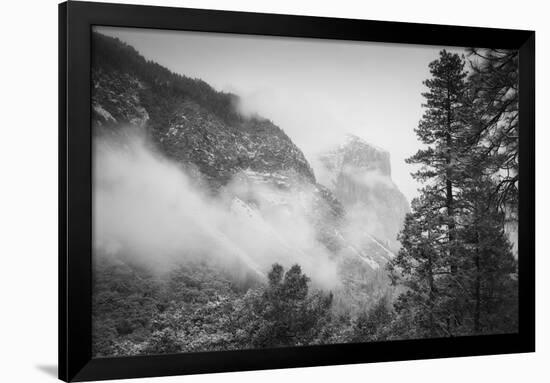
<point x="430" y="263"/>
<point x="455" y="263"/>
<point x="441" y="129"/>
<point x="489" y="270"/>
<point x="495" y="124"/>
<point x="423" y="309"/>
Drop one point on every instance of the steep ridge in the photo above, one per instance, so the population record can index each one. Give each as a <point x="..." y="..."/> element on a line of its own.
<point x="188" y="120"/>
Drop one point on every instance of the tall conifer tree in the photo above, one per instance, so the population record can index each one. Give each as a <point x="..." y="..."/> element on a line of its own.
<point x="495" y="123"/>
<point x="441" y="129"/>
<point x="456" y="261"/>
<point x="429" y="261"/>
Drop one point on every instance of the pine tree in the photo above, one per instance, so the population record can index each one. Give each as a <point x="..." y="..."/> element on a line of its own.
<point x="289" y="314"/>
<point x="430" y="257"/>
<point x="418" y="267"/>
<point x="441" y="128"/>
<point x="372" y="325"/>
<point x="455" y="261"/>
<point x="490" y="188"/>
<point x="490" y="270"/>
<point x="495" y="125"/>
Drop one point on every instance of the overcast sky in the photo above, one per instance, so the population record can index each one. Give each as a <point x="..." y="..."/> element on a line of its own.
<point x="315" y="90"/>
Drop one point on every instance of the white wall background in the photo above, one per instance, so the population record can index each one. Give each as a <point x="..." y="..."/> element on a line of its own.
<point x="28" y="189"/>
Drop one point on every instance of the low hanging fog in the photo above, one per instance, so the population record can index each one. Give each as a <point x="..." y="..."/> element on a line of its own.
<point x="149" y="212"/>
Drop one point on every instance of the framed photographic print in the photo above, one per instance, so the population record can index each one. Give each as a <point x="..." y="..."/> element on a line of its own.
<point x="248" y="191"/>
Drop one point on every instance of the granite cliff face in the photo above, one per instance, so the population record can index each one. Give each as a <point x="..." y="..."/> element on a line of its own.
<point x="359" y="175"/>
<point x="354" y="152"/>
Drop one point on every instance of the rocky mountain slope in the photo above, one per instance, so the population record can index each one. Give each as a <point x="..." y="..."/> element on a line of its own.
<point x="264" y="178"/>
<point x="186" y="118"/>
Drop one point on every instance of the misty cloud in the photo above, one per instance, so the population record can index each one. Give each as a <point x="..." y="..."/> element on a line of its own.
<point x="147" y="210"/>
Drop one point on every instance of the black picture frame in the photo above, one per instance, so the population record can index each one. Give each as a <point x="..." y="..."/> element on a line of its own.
<point x="75" y="193"/>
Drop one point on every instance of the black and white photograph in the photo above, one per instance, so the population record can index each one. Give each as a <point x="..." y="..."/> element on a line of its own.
<point x="254" y="192"/>
<point x="275" y="191"/>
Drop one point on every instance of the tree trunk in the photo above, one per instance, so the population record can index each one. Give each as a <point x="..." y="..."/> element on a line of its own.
<point x="449" y="185"/>
<point x="449" y="202"/>
<point x="477" y="288"/>
<point x="431" y="295"/>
